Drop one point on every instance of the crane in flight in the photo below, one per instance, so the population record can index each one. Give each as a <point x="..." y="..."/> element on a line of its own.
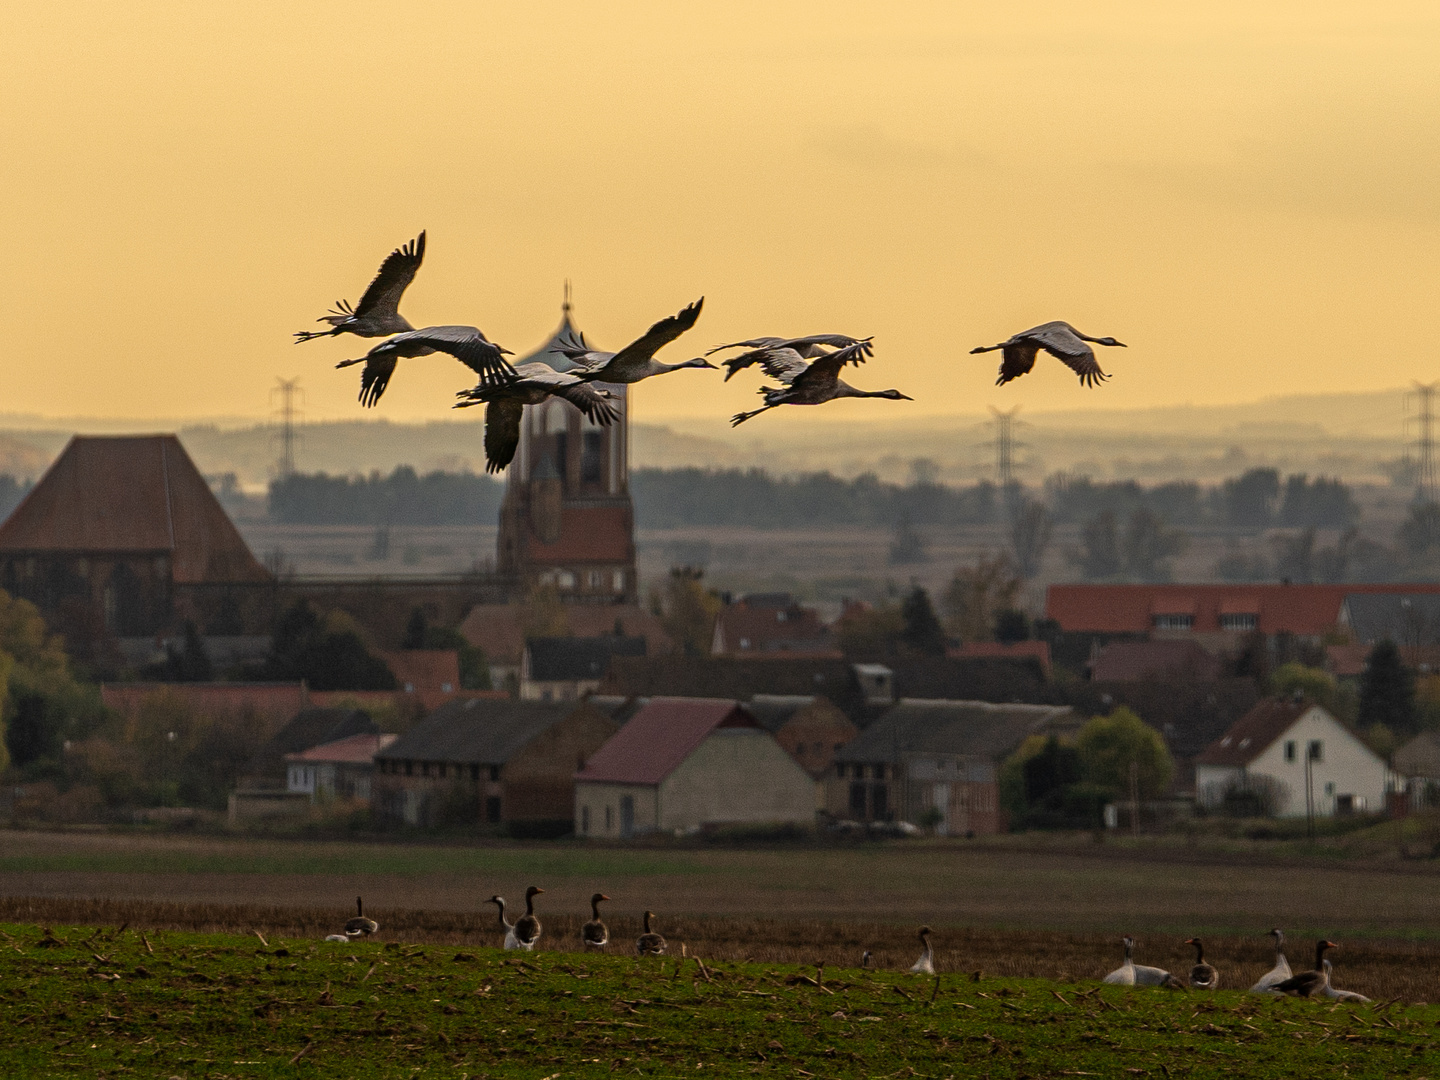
<point x="1060" y="340"/>
<point x="635" y="361"/>
<point x="466" y="343"/>
<point x="505" y="400"/>
<point x="811" y="383"/>
<point x="378" y="313"/>
<point x="807" y="348"/>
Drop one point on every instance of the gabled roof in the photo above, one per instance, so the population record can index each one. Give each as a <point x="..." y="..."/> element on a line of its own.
<point x="480" y="731"/>
<point x="1411" y="618"/>
<point x="418" y="670"/>
<point x="571" y="659"/>
<point x="310" y="727"/>
<point x="734" y="678"/>
<point x="1420" y="756"/>
<point x="974" y="729"/>
<point x="1004" y="650"/>
<point x="352" y="750"/>
<point x="498" y="630"/>
<point x="775" y="710"/>
<point x="659" y="737"/>
<point x="769" y="622"/>
<point x="1131" y="661"/>
<point x="1254" y="732"/>
<point x="134" y="494"/>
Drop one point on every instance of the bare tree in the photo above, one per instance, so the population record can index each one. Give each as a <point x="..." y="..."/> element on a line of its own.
<point x="1030" y="528"/>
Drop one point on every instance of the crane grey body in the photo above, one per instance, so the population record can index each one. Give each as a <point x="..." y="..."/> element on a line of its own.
<point x="812" y="383"/>
<point x="635" y="361"/>
<point x="807" y="348"/>
<point x="378" y="313"/>
<point x="505" y="400"/>
<point x="466" y="343"/>
<point x="1060" y="340"/>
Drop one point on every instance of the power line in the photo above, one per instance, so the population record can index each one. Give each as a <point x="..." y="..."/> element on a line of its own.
<point x="287" y="391"/>
<point x="1005" y="444"/>
<point x="1424" y="444"/>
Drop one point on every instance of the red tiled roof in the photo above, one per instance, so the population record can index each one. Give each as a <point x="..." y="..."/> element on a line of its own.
<point x="654" y="742"/>
<point x="1252" y="733"/>
<point x="429" y="700"/>
<point x="1121" y="609"/>
<point x="1132" y="661"/>
<point x="743" y="629"/>
<point x="353" y="750"/>
<point x="1345" y="660"/>
<point x="425" y="669"/>
<point x="1040" y="650"/>
<point x="131" y="494"/>
<point x="599" y="534"/>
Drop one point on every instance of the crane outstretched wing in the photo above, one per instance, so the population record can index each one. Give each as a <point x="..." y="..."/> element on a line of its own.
<point x="1062" y="343"/>
<point x="807" y="346"/>
<point x="753" y="343"/>
<point x="659" y="335"/>
<point x="466" y="343"/>
<point x="374" y="378"/>
<point x="829" y="366"/>
<point x="393" y="278"/>
<point x="785" y="365"/>
<point x="502" y="433"/>
<point x="594" y="403"/>
<point x="1018" y="358"/>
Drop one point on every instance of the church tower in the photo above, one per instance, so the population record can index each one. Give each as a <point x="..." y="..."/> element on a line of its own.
<point x="567" y="520"/>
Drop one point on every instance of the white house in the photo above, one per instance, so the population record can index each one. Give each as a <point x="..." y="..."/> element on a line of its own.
<point x="339" y="769"/>
<point x="1287" y="756"/>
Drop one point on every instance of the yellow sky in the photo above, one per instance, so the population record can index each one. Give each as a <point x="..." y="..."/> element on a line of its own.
<point x="1247" y="193"/>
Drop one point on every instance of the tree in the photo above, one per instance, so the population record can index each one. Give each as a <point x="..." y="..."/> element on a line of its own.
<point x="190" y="662"/>
<point x="1249" y="499"/>
<point x="922" y="632"/>
<point x="1149" y="546"/>
<point x="1012" y="625"/>
<point x="690" y="610"/>
<point x="868" y="632"/>
<point x="1387" y="691"/>
<point x="1295" y="557"/>
<point x="1030" y="529"/>
<point x="328" y="653"/>
<point x="1099" y="554"/>
<point x="1109" y="745"/>
<point x="907" y="545"/>
<point x="1419" y="534"/>
<point x="977" y="594"/>
<point x="1316" y="684"/>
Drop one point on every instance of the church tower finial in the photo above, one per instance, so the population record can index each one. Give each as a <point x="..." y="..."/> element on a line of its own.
<point x="565" y="306"/>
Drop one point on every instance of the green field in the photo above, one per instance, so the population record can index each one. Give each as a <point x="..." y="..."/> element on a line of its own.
<point x="102" y="1002"/>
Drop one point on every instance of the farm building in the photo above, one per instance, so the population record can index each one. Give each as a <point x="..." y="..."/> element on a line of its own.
<point x="336" y="770"/>
<point x="499" y="631"/>
<point x="810" y="727"/>
<point x="681" y="764"/>
<point x="1288" y="756"/>
<point x="307" y="728"/>
<point x="1038" y="651"/>
<point x="490" y="761"/>
<point x="770" y="623"/>
<point x="936" y="756"/>
<point x="568" y="668"/>
<point x="1417" y="764"/>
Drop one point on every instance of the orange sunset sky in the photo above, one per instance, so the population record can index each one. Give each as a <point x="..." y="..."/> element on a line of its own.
<point x="1247" y="193"/>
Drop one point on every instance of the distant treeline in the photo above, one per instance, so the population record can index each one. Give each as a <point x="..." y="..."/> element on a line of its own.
<point x="670" y="498"/>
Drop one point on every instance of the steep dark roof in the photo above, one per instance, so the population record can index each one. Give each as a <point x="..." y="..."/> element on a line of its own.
<point x="569" y="659"/>
<point x="1404" y="618"/>
<point x="974" y="729"/>
<point x="310" y="727"/>
<point x="659" y="737"/>
<point x="131" y="494"/>
<point x="734" y="678"/>
<point x="480" y="731"/>
<point x="1249" y="736"/>
<point x="774" y="710"/>
<point x="972" y="679"/>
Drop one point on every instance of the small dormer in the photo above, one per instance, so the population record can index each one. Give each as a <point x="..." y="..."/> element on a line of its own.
<point x="877" y="683"/>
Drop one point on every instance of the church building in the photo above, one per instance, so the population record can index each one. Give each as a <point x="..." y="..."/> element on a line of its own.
<point x="567" y="520"/>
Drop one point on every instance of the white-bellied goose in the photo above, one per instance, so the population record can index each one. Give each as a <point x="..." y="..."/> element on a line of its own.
<point x="527" y="927"/>
<point x="1337" y="995"/>
<point x="926" y="964"/>
<point x="1277" y="974"/>
<point x="649" y="943"/>
<point x="1060" y="340"/>
<point x="1203" y="976"/>
<point x="595" y="934"/>
<point x="511" y="941"/>
<point x="1133" y="974"/>
<point x="360" y="926"/>
<point x="1308" y="982"/>
<point x="338" y="937"/>
<point x="378" y="313"/>
<point x="865" y="959"/>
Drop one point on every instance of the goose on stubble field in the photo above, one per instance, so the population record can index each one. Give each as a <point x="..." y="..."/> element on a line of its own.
<point x="926" y="964"/>
<point x="1330" y="992"/>
<point x="635" y="361"/>
<point x="360" y="926"/>
<point x="511" y="941"/>
<point x="650" y="943"/>
<point x="378" y="313"/>
<point x="595" y="934"/>
<point x="527" y="927"/>
<point x="505" y="401"/>
<point x="812" y="383"/>
<point x="1203" y="976"/>
<point x="1312" y="982"/>
<point x="1060" y="340"/>
<point x="1133" y="974"/>
<point x="1277" y="974"/>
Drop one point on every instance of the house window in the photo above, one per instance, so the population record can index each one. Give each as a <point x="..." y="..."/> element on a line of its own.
<point x="492" y="808"/>
<point x="1316" y="750"/>
<point x="1329" y="788"/>
<point x="880" y="801"/>
<point x="446" y="687"/>
<point x="585" y="819"/>
<point x="619" y="581"/>
<point x="409" y="768"/>
<point x="594" y="579"/>
<point x="475" y="772"/>
<point x="857" y="800"/>
<point x="607" y="818"/>
<point x="565" y="579"/>
<point x="495" y="773"/>
<point x="1239" y="622"/>
<point x="1290" y="750"/>
<point x="1174" y="622"/>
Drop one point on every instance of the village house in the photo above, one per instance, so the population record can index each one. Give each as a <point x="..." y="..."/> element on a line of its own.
<point x="1417" y="764"/>
<point x="499" y="631"/>
<point x="568" y="668"/>
<point x="769" y="623"/>
<point x="810" y="727"/>
<point x="1155" y="661"/>
<point x="682" y="764"/>
<point x="490" y="761"/>
<point x="1288" y="757"/>
<point x="937" y="760"/>
<point x="336" y="770"/>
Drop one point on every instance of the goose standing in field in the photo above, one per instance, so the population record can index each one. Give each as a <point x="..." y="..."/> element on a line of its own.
<point x="635" y="361"/>
<point x="649" y="943"/>
<point x="865" y="959"/>
<point x="341" y="938"/>
<point x="1133" y="974"/>
<point x="810" y="384"/>
<point x="378" y="313"/>
<point x="360" y="926"/>
<point x="527" y="927"/>
<point x="466" y="343"/>
<point x="511" y="941"/>
<point x="1308" y="983"/>
<point x="595" y="934"/>
<point x="926" y="964"/>
<point x="505" y="402"/>
<point x="806" y="348"/>
<point x="1203" y="976"/>
<point x="1337" y="995"/>
<point x="1277" y="974"/>
<point x="1060" y="340"/>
